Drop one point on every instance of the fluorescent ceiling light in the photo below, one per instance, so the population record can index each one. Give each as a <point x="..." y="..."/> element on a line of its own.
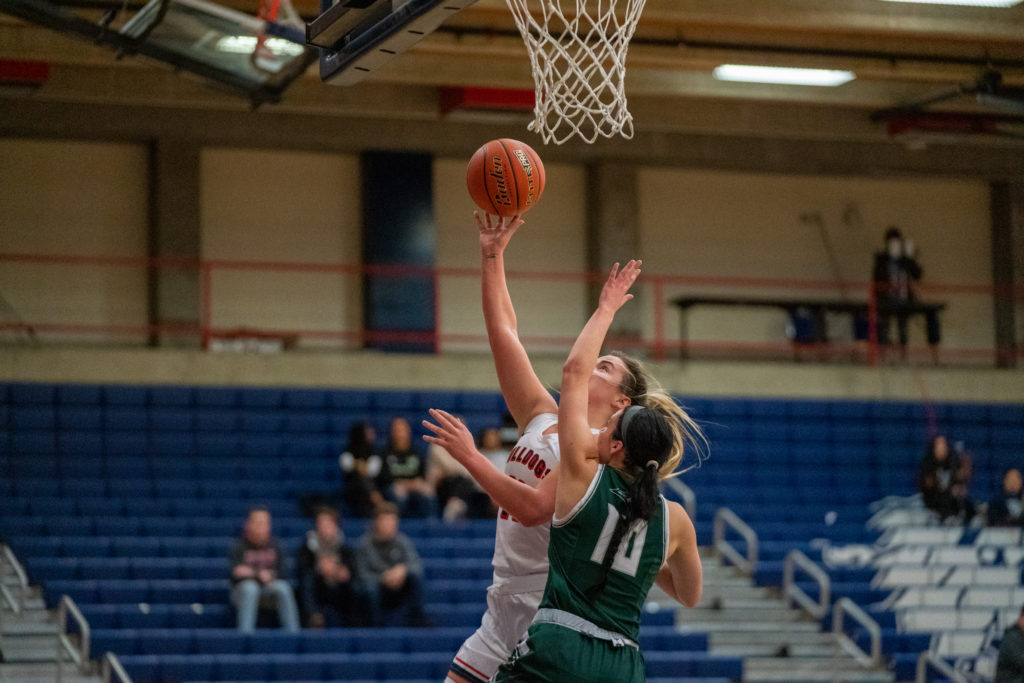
<point x="782" y="74"/>
<point x="241" y="45"/>
<point x="969" y="3"/>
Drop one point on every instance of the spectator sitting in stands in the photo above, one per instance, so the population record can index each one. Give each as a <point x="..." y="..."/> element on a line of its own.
<point x="1010" y="663"/>
<point x="1007" y="507"/>
<point x="390" y="569"/>
<point x="256" y="574"/>
<point x="401" y="477"/>
<point x="360" y="466"/>
<point x="940" y="485"/>
<point x="326" y="570"/>
<point x="457" y="494"/>
<point x="492" y="447"/>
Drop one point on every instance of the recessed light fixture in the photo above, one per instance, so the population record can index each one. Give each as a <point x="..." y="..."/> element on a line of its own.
<point x="782" y="75"/>
<point x="244" y="45"/>
<point x="967" y="3"/>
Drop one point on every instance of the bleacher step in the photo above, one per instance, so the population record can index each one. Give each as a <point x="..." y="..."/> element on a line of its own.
<point x="774" y="638"/>
<point x="767" y="650"/>
<point x="41" y="673"/>
<point x="28" y="627"/>
<point x="26" y="649"/>
<point x="811" y="670"/>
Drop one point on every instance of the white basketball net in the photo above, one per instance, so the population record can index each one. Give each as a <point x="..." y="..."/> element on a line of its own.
<point x="578" y="55"/>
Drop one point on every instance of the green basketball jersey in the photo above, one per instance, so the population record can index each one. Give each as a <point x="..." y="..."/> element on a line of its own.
<point x="577" y="548"/>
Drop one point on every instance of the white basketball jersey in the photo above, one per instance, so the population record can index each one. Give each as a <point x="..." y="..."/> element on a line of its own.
<point x="520" y="550"/>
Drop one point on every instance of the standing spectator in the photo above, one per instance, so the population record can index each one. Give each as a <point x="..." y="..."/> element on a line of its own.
<point x="390" y="569"/>
<point x="895" y="274"/>
<point x="327" y="576"/>
<point x="360" y="465"/>
<point x="939" y="482"/>
<point x="257" y="563"/>
<point x="1010" y="663"/>
<point x="402" y="475"/>
<point x="1007" y="507"/>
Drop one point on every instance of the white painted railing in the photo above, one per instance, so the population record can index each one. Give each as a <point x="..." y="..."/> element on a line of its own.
<point x="79" y="655"/>
<point x="111" y="667"/>
<point x="794" y="593"/>
<point x="16" y="602"/>
<point x="845" y="607"/>
<point x="685" y="494"/>
<point x="927" y="659"/>
<point x="724" y="517"/>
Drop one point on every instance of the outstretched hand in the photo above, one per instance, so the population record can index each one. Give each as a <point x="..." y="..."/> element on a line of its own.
<point x="495" y="232"/>
<point x="451" y="434"/>
<point x="616" y="288"/>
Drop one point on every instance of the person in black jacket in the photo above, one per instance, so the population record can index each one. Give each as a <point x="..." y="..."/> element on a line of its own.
<point x="939" y="479"/>
<point x="402" y="477"/>
<point x="326" y="566"/>
<point x="1007" y="507"/>
<point x="895" y="275"/>
<point x="360" y="465"/>
<point x="1010" y="663"/>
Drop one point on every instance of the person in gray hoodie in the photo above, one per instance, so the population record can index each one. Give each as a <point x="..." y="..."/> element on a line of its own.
<point x="390" y="569"/>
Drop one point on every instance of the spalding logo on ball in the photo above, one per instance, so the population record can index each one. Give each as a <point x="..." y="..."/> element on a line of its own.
<point x="505" y="177"/>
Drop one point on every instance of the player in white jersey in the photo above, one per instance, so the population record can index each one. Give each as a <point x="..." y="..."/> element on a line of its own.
<point x="525" y="490"/>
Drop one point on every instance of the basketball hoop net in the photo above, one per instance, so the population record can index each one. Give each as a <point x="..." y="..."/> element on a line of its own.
<point x="579" y="67"/>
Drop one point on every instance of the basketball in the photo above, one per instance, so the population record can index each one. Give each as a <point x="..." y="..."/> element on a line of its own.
<point x="505" y="177"/>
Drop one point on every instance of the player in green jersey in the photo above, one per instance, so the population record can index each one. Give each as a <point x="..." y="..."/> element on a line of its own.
<point x="613" y="535"/>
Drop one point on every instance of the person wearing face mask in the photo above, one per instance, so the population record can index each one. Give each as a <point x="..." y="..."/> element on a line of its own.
<point x="895" y="275"/>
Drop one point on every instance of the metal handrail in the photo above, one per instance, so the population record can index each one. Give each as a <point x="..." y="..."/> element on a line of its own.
<point x="725" y="517"/>
<point x="17" y="603"/>
<point x="111" y="665"/>
<point x="794" y="593"/>
<point x="80" y="655"/>
<point x="926" y="659"/>
<point x="846" y="606"/>
<point x="686" y="494"/>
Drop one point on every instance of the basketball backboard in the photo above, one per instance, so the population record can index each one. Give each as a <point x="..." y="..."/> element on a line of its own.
<point x="209" y="40"/>
<point x="357" y="37"/>
<point x="218" y="42"/>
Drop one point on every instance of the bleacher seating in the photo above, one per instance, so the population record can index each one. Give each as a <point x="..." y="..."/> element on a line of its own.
<point x="126" y="497"/>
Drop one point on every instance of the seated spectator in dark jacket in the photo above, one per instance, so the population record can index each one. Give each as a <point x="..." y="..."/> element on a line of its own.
<point x="257" y="564"/>
<point x="402" y="474"/>
<point x="939" y="481"/>
<point x="326" y="567"/>
<point x="1008" y="505"/>
<point x="360" y="466"/>
<point x="1010" y="663"/>
<point x="390" y="569"/>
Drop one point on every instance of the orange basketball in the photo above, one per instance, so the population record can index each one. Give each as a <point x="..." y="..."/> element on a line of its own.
<point x="505" y="177"/>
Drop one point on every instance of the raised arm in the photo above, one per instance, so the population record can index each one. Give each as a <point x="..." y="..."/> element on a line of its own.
<point x="682" y="574"/>
<point x="524" y="393"/>
<point x="576" y="441"/>
<point x="530" y="506"/>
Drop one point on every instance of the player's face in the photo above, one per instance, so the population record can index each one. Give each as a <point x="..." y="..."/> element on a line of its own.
<point x="608" y="447"/>
<point x="606" y="383"/>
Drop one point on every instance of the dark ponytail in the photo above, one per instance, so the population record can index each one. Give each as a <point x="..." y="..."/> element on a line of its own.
<point x="646" y="437"/>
